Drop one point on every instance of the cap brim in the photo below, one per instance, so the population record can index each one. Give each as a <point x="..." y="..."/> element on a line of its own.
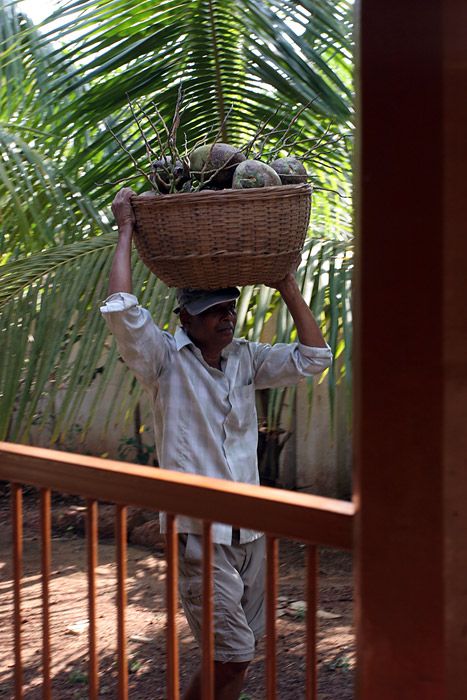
<point x="197" y="306"/>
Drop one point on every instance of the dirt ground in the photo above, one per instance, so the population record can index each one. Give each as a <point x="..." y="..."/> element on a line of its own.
<point x="146" y="620"/>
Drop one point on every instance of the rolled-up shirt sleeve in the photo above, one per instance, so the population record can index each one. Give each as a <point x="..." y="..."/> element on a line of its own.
<point x="284" y="364"/>
<point x="141" y="343"/>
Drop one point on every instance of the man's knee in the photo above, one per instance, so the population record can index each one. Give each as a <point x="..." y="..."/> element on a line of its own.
<point x="231" y="669"/>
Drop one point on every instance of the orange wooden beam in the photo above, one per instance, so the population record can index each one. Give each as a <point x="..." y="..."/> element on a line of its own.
<point x="173" y="686"/>
<point x="207" y="680"/>
<point x="46" y="562"/>
<point x="411" y="344"/>
<point x="92" y="560"/>
<point x="312" y="570"/>
<point x="122" y="654"/>
<point x="17" y="535"/>
<point x="282" y="513"/>
<point x="454" y="39"/>
<point x="272" y="585"/>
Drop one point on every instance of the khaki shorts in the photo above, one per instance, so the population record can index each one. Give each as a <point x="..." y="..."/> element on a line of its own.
<point x="238" y="573"/>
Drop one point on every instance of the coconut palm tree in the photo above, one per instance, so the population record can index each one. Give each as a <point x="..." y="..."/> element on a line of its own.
<point x="69" y="139"/>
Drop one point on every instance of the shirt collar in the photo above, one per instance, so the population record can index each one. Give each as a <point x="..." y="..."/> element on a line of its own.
<point x="182" y="340"/>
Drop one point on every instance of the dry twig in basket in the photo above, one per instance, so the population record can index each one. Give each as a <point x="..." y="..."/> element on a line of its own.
<point x="170" y="168"/>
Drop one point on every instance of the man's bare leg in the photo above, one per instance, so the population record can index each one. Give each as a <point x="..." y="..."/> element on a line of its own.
<point x="228" y="681"/>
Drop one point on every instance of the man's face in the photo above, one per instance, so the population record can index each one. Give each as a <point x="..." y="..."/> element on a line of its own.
<point x="212" y="328"/>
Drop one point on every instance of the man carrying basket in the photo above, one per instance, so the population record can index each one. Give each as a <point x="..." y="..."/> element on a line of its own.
<point x="201" y="382"/>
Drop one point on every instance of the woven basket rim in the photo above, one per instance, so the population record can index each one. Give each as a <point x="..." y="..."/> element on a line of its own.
<point x="248" y="193"/>
<point x="224" y="254"/>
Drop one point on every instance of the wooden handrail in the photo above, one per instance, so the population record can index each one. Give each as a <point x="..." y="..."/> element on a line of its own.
<point x="280" y="513"/>
<point x="311" y="519"/>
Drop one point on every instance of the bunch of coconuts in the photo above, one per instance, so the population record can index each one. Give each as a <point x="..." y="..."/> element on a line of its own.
<point x="221" y="166"/>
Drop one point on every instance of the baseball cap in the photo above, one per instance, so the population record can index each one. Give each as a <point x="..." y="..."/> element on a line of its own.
<point x="195" y="301"/>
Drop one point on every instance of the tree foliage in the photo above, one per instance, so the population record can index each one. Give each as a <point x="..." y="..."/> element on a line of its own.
<point x="63" y="84"/>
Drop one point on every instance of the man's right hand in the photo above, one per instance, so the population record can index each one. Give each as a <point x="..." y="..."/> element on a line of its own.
<point x="122" y="209"/>
<point x="120" y="272"/>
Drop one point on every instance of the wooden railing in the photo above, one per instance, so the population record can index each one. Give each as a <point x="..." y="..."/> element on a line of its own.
<point x="310" y="519"/>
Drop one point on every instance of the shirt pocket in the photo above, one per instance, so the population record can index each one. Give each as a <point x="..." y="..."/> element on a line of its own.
<point x="243" y="416"/>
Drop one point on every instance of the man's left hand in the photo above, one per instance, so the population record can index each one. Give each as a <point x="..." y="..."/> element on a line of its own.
<point x="286" y="283"/>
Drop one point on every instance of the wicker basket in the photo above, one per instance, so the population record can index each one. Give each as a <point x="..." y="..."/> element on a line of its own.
<point x="223" y="238"/>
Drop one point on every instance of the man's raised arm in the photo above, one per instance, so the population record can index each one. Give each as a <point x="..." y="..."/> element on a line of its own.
<point x="308" y="330"/>
<point x="120" y="274"/>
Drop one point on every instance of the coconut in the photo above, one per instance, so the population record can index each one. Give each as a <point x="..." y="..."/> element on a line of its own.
<point x="206" y="160"/>
<point x="164" y="173"/>
<point x="253" y="173"/>
<point x="290" y="170"/>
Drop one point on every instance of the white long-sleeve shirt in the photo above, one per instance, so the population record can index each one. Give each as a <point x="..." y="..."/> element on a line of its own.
<point x="205" y="419"/>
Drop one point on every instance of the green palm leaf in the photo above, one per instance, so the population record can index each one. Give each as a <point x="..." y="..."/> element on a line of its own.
<point x="53" y="335"/>
<point x="60" y="84"/>
<point x="40" y="204"/>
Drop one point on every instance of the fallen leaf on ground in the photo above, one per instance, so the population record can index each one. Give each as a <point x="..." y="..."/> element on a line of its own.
<point x="325" y="615"/>
<point x="140" y="638"/>
<point x="78" y="627"/>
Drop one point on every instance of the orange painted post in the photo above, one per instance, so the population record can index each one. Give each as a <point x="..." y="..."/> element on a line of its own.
<point x="46" y="560"/>
<point x="311" y="611"/>
<point x="17" y="527"/>
<point x="121" y="531"/>
<point x="454" y="488"/>
<point x="92" y="564"/>
<point x="208" y="615"/>
<point x="173" y="691"/>
<point x="272" y="560"/>
<point x="411" y="56"/>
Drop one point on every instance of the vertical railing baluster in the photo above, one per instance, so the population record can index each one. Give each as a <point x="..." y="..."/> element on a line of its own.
<point x="17" y="526"/>
<point x="91" y="543"/>
<point x="121" y="531"/>
<point x="173" y="692"/>
<point x="208" y="615"/>
<point x="46" y="561"/>
<point x="272" y="563"/>
<point x="311" y="613"/>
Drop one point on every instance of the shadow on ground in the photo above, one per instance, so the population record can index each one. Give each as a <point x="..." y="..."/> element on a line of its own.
<point x="145" y="621"/>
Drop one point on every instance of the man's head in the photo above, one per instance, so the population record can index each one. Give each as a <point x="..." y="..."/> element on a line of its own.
<point x="208" y="315"/>
<point x="195" y="301"/>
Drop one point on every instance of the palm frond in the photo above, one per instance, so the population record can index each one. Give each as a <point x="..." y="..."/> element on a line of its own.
<point x="60" y="84"/>
<point x="53" y="335"/>
<point x="41" y="206"/>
